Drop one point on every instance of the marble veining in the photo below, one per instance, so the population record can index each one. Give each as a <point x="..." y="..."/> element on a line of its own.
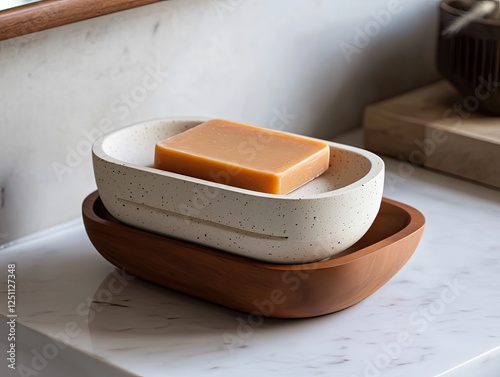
<point x="441" y="310"/>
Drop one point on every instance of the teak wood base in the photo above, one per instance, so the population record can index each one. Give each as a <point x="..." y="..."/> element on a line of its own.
<point x="272" y="290"/>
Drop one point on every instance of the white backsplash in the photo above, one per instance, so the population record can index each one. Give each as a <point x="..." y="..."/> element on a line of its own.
<point x="304" y="66"/>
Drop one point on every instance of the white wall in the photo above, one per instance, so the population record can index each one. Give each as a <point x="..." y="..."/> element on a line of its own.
<point x="245" y="60"/>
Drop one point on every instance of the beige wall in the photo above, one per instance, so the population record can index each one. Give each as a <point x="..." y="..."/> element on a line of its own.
<point x="315" y="64"/>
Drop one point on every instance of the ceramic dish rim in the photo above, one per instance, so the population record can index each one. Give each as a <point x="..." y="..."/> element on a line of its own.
<point x="374" y="170"/>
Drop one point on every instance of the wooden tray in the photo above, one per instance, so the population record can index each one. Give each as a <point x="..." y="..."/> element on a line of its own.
<point x="271" y="290"/>
<point x="433" y="127"/>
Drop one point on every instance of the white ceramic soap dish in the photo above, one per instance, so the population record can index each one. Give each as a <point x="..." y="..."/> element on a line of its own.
<point x="314" y="222"/>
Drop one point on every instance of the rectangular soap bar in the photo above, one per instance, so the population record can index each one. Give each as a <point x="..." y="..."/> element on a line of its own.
<point x="244" y="156"/>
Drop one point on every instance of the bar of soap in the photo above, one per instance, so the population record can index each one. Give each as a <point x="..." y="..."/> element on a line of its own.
<point x="244" y="156"/>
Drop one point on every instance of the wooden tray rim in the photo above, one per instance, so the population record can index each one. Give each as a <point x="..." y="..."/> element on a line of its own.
<point x="415" y="223"/>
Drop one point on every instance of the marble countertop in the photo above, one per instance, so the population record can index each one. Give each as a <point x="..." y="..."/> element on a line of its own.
<point x="441" y="310"/>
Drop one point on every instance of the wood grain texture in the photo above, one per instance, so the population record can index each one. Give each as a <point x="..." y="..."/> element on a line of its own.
<point x="271" y="290"/>
<point x="47" y="14"/>
<point x="435" y="127"/>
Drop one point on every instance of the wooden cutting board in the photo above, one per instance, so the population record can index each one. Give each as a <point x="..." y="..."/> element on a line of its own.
<point x="435" y="127"/>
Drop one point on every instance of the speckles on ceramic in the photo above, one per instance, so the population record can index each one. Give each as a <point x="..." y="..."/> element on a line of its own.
<point x="316" y="221"/>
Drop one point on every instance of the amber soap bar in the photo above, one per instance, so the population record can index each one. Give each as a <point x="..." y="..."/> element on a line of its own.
<point x="244" y="156"/>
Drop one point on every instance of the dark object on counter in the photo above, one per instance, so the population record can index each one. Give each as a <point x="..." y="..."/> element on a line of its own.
<point x="470" y="59"/>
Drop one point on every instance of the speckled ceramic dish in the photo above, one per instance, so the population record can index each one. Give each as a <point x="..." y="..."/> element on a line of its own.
<point x="314" y="222"/>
